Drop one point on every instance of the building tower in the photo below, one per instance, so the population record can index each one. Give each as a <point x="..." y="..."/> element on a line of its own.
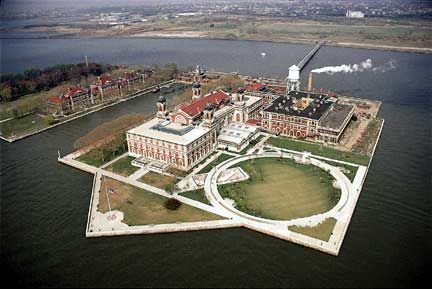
<point x="161" y="107"/>
<point x="196" y="90"/>
<point x="208" y="114"/>
<point x="293" y="78"/>
<point x="198" y="74"/>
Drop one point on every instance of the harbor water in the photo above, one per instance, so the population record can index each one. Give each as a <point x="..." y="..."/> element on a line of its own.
<point x="44" y="204"/>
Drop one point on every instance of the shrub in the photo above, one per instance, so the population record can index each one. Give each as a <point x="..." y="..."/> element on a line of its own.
<point x="172" y="204"/>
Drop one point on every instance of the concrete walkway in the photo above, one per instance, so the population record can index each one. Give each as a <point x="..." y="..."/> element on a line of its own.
<point x="279" y="228"/>
<point x="110" y="223"/>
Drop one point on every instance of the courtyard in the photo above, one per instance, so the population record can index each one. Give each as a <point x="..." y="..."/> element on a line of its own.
<point x="281" y="189"/>
<point x="141" y="207"/>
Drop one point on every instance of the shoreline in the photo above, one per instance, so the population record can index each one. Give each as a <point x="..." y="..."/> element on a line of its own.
<point x="82" y="113"/>
<point x="190" y="36"/>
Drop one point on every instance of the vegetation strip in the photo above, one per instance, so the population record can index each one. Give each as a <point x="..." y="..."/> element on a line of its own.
<point x="318" y="149"/>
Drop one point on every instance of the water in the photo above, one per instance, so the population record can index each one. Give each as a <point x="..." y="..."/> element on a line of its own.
<point x="45" y="204"/>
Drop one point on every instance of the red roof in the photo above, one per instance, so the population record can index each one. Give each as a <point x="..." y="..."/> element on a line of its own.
<point x="56" y="99"/>
<point x="254" y="122"/>
<point x="104" y="79"/>
<point x="255" y="86"/>
<point x="197" y="106"/>
<point x="74" y="91"/>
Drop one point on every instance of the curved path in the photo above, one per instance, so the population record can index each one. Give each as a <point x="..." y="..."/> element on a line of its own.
<point x="217" y="201"/>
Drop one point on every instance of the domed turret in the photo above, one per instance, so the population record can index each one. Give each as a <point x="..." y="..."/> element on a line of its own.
<point x="196" y="90"/>
<point x="162" y="99"/>
<point x="197" y="85"/>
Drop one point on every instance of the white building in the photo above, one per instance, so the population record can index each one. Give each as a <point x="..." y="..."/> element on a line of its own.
<point x="236" y="136"/>
<point x="354" y="14"/>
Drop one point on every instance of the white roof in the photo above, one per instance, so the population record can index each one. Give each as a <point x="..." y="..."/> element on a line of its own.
<point x="230" y="139"/>
<point x="236" y="132"/>
<point x="294" y="67"/>
<point x="146" y="130"/>
<point x="250" y="100"/>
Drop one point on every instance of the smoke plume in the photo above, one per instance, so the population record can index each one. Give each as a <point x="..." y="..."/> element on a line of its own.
<point x="363" y="66"/>
<point x="346" y="68"/>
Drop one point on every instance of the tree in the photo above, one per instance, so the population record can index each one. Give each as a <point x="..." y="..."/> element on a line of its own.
<point x="6" y="93"/>
<point x="172" y="204"/>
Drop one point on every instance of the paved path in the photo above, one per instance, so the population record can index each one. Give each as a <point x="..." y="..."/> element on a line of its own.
<point x="279" y="228"/>
<point x="110" y="223"/>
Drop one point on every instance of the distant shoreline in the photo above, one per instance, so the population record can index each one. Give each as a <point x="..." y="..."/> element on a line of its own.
<point x="192" y="35"/>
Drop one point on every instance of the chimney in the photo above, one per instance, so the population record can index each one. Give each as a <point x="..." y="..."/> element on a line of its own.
<point x="309" y="86"/>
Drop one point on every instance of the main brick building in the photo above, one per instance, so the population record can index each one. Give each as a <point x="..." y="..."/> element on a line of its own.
<point x="307" y="115"/>
<point x="187" y="135"/>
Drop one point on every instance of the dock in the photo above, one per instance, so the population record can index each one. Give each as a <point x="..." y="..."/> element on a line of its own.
<point x="309" y="56"/>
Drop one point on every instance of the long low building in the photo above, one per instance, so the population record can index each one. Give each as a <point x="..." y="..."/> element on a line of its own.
<point x="236" y="136"/>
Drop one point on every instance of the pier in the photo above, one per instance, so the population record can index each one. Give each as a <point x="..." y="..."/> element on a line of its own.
<point x="309" y="56"/>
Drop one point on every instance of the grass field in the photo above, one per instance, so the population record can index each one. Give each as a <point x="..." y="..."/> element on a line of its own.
<point x="349" y="171"/>
<point x="369" y="137"/>
<point x="282" y="189"/>
<point x="197" y="195"/>
<point x="323" y="231"/>
<point x="318" y="149"/>
<point x="141" y="207"/>
<point x="23" y="125"/>
<point x="158" y="180"/>
<point x="218" y="160"/>
<point x="123" y="166"/>
<point x="177" y="172"/>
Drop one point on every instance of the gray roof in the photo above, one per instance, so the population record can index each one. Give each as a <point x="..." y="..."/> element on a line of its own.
<point x="284" y="105"/>
<point x="336" y="117"/>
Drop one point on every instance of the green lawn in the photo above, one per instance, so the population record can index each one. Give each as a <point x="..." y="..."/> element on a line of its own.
<point x="282" y="189"/>
<point x="249" y="146"/>
<point x="177" y="172"/>
<point x="197" y="195"/>
<point x="349" y="171"/>
<point x="123" y="166"/>
<point x="218" y="160"/>
<point x="101" y="155"/>
<point x="323" y="231"/>
<point x="158" y="180"/>
<point x="23" y="125"/>
<point x="318" y="149"/>
<point x="141" y="207"/>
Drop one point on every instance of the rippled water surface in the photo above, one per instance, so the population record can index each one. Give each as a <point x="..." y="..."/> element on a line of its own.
<point x="44" y="204"/>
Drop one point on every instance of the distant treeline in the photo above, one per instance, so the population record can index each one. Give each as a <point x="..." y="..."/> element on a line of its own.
<point x="15" y="85"/>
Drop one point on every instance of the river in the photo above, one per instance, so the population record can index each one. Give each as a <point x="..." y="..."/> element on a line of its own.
<point x="44" y="204"/>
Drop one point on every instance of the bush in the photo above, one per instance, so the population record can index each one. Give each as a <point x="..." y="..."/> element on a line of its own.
<point x="172" y="204"/>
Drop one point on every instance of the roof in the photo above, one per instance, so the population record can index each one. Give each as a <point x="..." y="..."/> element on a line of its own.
<point x="237" y="133"/>
<point x="294" y="67"/>
<point x="254" y="122"/>
<point x="196" y="107"/>
<point x="255" y="86"/>
<point x="336" y="117"/>
<point x="173" y="132"/>
<point x="104" y="79"/>
<point x="73" y="91"/>
<point x="318" y="106"/>
<point x="57" y="99"/>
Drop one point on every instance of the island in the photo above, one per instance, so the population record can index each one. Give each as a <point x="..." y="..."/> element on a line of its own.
<point x="233" y="151"/>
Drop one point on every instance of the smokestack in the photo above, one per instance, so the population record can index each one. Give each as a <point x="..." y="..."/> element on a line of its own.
<point x="309" y="86"/>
